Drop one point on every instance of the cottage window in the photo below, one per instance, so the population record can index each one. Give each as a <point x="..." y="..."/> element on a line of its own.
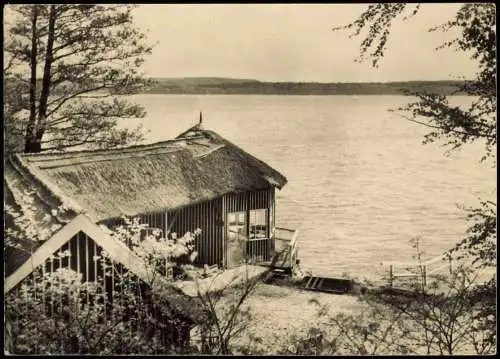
<point x="236" y="224"/>
<point x="258" y="224"/>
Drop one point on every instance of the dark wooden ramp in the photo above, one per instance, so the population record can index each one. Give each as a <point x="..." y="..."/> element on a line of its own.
<point x="329" y="285"/>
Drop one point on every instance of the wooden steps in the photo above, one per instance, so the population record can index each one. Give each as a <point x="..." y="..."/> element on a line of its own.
<point x="277" y="268"/>
<point x="328" y="285"/>
<point x="273" y="265"/>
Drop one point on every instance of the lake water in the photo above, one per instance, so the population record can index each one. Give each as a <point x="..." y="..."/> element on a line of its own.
<point x="360" y="182"/>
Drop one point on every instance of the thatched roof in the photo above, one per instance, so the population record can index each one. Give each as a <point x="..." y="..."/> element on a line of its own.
<point x="198" y="165"/>
<point x="25" y="197"/>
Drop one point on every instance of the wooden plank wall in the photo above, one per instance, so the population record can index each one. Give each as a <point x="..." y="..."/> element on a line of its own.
<point x="82" y="250"/>
<point x="210" y="217"/>
<point x="85" y="258"/>
<point x="206" y="216"/>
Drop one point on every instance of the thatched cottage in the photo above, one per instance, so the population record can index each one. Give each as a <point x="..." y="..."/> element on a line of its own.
<point x="197" y="180"/>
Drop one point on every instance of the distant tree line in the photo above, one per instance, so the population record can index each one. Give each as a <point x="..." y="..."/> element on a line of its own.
<point x="190" y="86"/>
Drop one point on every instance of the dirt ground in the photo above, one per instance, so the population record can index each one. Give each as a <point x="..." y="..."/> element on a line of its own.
<point x="279" y="311"/>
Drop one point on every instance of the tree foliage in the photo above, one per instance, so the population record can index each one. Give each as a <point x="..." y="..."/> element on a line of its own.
<point x="65" y="67"/>
<point x="480" y="244"/>
<point x="476" y="25"/>
<point x="378" y="20"/>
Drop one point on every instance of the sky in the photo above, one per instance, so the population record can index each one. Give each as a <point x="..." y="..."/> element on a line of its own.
<point x="292" y="42"/>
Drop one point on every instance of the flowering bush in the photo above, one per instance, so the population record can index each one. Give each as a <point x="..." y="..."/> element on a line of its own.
<point x="56" y="313"/>
<point x="160" y="254"/>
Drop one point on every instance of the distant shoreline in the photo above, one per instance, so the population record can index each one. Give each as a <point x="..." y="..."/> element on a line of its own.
<point x="283" y="94"/>
<point x="228" y="86"/>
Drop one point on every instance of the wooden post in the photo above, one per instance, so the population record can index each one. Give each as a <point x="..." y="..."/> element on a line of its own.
<point x="390" y="275"/>
<point x="268" y="221"/>
<point x="223" y="217"/>
<point x="424" y="277"/>
<point x="165" y="227"/>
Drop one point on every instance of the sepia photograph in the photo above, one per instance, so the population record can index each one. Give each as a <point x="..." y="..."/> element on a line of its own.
<point x="250" y="179"/>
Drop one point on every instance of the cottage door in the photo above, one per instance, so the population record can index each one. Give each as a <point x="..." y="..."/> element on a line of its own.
<point x="236" y="238"/>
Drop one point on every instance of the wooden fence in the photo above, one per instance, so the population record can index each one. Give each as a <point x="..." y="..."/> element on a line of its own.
<point x="423" y="270"/>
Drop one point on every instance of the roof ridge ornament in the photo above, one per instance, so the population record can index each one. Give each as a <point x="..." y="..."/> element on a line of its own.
<point x="200" y="123"/>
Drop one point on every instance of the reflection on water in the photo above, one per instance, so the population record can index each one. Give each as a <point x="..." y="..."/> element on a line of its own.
<point x="360" y="182"/>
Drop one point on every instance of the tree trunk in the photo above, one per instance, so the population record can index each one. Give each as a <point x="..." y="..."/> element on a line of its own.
<point x="36" y="145"/>
<point x="32" y="145"/>
<point x="30" y="129"/>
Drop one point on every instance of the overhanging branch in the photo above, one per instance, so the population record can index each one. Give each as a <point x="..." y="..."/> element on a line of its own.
<point x="485" y="135"/>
